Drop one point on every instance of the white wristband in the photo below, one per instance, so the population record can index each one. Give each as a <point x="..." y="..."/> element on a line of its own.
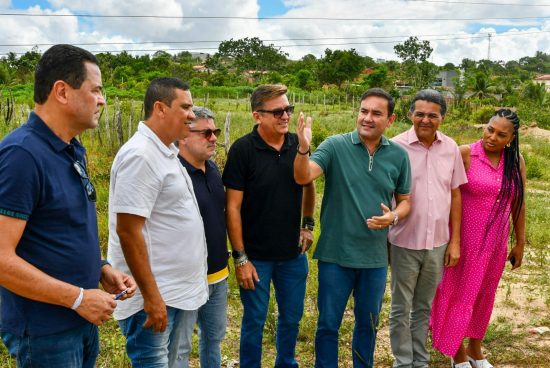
<point x="78" y="300"/>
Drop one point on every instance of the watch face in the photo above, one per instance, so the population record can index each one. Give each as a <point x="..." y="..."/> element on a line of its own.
<point x="237" y="253"/>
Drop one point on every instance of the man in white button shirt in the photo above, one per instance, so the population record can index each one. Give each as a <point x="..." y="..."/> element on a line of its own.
<point x="156" y="232"/>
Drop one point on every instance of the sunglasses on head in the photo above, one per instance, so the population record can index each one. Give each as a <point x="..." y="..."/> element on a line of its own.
<point x="278" y="113"/>
<point x="207" y="133"/>
<point x="86" y="182"/>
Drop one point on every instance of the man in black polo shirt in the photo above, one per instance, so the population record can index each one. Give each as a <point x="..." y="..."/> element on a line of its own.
<point x="264" y="205"/>
<point x="49" y="246"/>
<point x="195" y="152"/>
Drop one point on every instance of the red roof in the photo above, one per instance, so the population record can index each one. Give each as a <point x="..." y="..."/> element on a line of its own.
<point x="544" y="77"/>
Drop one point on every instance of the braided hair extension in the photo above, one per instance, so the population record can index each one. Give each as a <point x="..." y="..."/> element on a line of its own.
<point x="511" y="189"/>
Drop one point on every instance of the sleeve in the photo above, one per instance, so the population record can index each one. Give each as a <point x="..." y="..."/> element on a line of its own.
<point x="323" y="154"/>
<point x="459" y="173"/>
<point x="404" y="179"/>
<point x="136" y="185"/>
<point x="235" y="171"/>
<point x="19" y="183"/>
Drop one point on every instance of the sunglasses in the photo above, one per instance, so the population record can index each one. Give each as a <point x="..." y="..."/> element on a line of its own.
<point x="278" y="113"/>
<point x="86" y="183"/>
<point x="207" y="133"/>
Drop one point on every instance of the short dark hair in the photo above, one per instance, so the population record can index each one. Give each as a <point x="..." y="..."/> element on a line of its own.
<point x="266" y="92"/>
<point x="60" y="62"/>
<point x="163" y="90"/>
<point x="430" y="95"/>
<point x="379" y="92"/>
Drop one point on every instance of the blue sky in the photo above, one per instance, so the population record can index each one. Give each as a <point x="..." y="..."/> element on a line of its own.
<point x="451" y="40"/>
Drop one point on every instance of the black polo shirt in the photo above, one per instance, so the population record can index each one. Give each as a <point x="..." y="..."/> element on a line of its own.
<point x="210" y="194"/>
<point x="272" y="201"/>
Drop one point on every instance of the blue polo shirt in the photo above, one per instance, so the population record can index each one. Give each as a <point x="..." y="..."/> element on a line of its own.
<point x="39" y="184"/>
<point x="210" y="194"/>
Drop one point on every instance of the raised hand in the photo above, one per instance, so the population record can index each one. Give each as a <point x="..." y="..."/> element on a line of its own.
<point x="304" y="132"/>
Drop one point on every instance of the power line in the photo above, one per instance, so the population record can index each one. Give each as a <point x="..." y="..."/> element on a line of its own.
<point x="458" y="35"/>
<point x="477" y="3"/>
<point x="266" y="18"/>
<point x="305" y="45"/>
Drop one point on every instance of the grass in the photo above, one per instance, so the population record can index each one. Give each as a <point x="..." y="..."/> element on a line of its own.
<point x="524" y="300"/>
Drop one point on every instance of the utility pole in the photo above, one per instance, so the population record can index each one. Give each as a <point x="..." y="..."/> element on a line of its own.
<point x="489" y="47"/>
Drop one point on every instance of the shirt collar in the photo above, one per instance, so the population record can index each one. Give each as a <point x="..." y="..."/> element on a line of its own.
<point x="477" y="150"/>
<point x="38" y="125"/>
<point x="259" y="143"/>
<point x="192" y="169"/>
<point x="168" y="151"/>
<point x="355" y="139"/>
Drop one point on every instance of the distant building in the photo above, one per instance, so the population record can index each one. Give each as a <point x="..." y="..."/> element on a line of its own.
<point x="201" y="68"/>
<point x="199" y="55"/>
<point x="543" y="79"/>
<point x="444" y="79"/>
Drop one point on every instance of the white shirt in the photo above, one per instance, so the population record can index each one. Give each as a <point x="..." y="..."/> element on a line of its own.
<point x="148" y="180"/>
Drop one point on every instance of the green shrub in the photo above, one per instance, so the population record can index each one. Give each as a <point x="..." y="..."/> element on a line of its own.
<point x="483" y="115"/>
<point x="533" y="166"/>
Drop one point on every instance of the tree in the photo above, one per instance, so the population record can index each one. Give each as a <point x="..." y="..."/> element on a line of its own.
<point x="339" y="66"/>
<point x="417" y="69"/>
<point x="536" y="92"/>
<point x="252" y="54"/>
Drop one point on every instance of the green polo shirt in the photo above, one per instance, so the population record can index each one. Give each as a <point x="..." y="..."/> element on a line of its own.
<point x="355" y="185"/>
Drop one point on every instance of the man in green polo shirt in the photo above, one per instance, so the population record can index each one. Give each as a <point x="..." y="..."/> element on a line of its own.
<point x="363" y="172"/>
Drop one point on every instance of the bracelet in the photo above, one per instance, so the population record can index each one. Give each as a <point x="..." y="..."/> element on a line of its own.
<point x="78" y="300"/>
<point x="104" y="262"/>
<point x="303" y="153"/>
<point x="242" y="263"/>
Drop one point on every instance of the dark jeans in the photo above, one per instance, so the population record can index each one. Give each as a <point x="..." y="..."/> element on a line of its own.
<point x="336" y="283"/>
<point x="289" y="280"/>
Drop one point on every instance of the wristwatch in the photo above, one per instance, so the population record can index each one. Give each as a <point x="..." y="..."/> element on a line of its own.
<point x="395" y="219"/>
<point x="236" y="254"/>
<point x="308" y="223"/>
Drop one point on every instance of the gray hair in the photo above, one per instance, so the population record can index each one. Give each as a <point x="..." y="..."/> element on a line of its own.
<point x="430" y="95"/>
<point x="203" y="113"/>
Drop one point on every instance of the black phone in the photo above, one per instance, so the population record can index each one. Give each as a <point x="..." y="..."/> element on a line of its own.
<point x="512" y="260"/>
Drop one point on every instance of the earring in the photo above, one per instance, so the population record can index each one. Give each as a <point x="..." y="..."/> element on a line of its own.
<point x="509" y="145"/>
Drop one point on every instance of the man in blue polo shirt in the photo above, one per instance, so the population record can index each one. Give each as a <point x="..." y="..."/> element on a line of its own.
<point x="363" y="173"/>
<point x="49" y="247"/>
<point x="195" y="152"/>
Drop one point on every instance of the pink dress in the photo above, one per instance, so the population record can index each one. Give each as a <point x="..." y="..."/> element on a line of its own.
<point x="464" y="299"/>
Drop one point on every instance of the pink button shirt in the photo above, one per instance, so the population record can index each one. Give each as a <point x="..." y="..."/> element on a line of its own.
<point x="435" y="171"/>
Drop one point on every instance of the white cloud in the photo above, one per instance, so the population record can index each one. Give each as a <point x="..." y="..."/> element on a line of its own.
<point x="451" y="40"/>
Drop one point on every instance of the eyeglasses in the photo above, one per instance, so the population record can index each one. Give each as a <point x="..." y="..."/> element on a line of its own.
<point x="278" y="113"/>
<point x="86" y="183"/>
<point x="207" y="133"/>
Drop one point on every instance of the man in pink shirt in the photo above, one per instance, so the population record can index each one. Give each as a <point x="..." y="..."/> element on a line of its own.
<point x="429" y="237"/>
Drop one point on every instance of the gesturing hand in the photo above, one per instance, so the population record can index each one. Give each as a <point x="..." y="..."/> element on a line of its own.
<point x="304" y="132"/>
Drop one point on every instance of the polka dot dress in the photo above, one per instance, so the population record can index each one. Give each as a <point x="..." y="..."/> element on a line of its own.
<point x="465" y="297"/>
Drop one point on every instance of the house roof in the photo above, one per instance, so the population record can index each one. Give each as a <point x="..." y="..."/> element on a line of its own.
<point x="543" y="77"/>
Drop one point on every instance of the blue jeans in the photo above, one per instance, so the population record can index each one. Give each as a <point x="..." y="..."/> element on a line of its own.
<point x="171" y="348"/>
<point x="212" y="323"/>
<point x="336" y="283"/>
<point x="289" y="281"/>
<point x="75" y="348"/>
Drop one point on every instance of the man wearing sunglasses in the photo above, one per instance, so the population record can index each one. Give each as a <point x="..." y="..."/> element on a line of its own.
<point x="49" y="247"/>
<point x="156" y="232"/>
<point x="195" y="152"/>
<point x="264" y="207"/>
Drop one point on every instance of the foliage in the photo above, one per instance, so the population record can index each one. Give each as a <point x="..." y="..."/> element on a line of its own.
<point x="251" y="54"/>
<point x="338" y="66"/>
<point x="417" y="69"/>
<point x="536" y="93"/>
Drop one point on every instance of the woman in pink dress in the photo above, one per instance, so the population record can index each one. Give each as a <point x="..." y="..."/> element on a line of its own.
<point x="494" y="193"/>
